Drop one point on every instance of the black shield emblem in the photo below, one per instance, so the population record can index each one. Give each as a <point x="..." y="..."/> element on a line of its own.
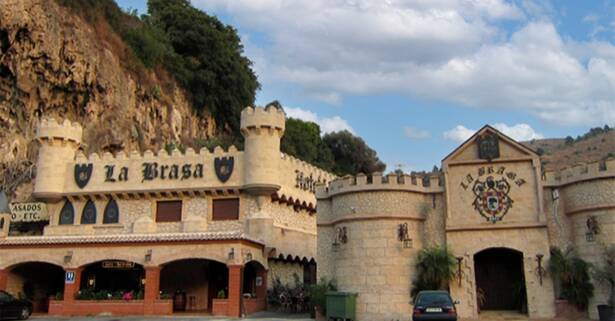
<point x="83" y="172"/>
<point x="224" y="167"/>
<point x="488" y="146"/>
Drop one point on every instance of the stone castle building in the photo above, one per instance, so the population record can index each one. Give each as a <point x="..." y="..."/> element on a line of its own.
<point x="491" y="206"/>
<point x="203" y="231"/>
<point x="210" y="226"/>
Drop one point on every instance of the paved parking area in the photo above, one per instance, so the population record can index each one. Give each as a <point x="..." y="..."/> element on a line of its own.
<point x="266" y="316"/>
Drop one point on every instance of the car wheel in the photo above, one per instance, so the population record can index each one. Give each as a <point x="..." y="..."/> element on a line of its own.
<point x="25" y="313"/>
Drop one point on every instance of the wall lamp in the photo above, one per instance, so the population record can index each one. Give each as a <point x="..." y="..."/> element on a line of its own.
<point x="540" y="270"/>
<point x="231" y="254"/>
<point x="68" y="257"/>
<point x="402" y="235"/>
<point x="341" y="237"/>
<point x="148" y="256"/>
<point x="459" y="272"/>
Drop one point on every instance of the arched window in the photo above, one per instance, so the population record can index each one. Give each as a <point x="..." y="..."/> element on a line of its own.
<point x="67" y="214"/>
<point x="88" y="216"/>
<point x="112" y="213"/>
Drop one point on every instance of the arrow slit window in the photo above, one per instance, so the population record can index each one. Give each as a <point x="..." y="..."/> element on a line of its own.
<point x="67" y="214"/>
<point x="112" y="213"/>
<point x="88" y="216"/>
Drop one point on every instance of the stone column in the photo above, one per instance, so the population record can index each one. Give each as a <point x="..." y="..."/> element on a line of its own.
<point x="70" y="290"/>
<point x="4" y="276"/>
<point x="235" y="284"/>
<point x="152" y="288"/>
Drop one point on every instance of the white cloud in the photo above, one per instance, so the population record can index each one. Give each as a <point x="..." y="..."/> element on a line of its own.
<point x="518" y="132"/>
<point x="459" y="134"/>
<point x="441" y="50"/>
<point x="327" y="124"/>
<point x="416" y="133"/>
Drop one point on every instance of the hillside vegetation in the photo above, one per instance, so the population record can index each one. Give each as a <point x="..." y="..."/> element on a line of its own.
<point x="557" y="153"/>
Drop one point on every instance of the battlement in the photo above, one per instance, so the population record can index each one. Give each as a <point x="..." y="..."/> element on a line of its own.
<point x="579" y="173"/>
<point x="430" y="183"/>
<point x="256" y="117"/>
<point x="162" y="154"/>
<point x="49" y="129"/>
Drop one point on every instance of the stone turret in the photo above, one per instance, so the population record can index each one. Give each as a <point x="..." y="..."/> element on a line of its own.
<point x="262" y="129"/>
<point x="58" y="146"/>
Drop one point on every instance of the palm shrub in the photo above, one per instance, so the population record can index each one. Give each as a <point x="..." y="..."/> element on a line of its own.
<point x="605" y="272"/>
<point x="435" y="266"/>
<point x="573" y="275"/>
<point x="318" y="293"/>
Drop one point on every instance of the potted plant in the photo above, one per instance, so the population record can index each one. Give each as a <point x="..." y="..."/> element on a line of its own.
<point x="605" y="273"/>
<point x="573" y="276"/>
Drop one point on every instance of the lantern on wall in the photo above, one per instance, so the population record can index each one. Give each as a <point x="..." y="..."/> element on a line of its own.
<point x="91" y="281"/>
<point x="341" y="237"/>
<point x="402" y="235"/>
<point x="540" y="270"/>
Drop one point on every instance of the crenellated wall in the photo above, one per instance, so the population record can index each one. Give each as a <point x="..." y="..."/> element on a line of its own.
<point x="572" y="197"/>
<point x="374" y="262"/>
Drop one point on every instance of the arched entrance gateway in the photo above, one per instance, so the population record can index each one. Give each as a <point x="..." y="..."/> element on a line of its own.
<point x="500" y="280"/>
<point x="112" y="279"/>
<point x="193" y="284"/>
<point x="36" y="281"/>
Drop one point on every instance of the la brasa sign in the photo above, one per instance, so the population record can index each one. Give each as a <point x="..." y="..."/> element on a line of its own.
<point x="29" y="212"/>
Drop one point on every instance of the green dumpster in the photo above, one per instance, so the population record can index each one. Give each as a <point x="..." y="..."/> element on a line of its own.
<point x="341" y="306"/>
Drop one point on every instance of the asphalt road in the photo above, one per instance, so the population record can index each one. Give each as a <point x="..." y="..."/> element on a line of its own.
<point x="268" y="316"/>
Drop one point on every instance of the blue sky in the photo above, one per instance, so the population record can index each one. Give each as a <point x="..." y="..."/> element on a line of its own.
<point x="415" y="78"/>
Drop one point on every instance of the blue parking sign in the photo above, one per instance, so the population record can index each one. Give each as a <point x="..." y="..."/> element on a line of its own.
<point x="69" y="278"/>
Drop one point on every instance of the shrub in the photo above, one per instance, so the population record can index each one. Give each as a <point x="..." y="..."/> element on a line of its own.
<point x="318" y="294"/>
<point x="572" y="274"/>
<point x="605" y="271"/>
<point x="435" y="267"/>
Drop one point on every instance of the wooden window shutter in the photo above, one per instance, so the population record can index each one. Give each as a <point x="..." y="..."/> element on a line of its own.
<point x="226" y="209"/>
<point x="169" y="211"/>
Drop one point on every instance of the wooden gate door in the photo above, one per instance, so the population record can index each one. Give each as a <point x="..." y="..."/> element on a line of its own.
<point x="499" y="274"/>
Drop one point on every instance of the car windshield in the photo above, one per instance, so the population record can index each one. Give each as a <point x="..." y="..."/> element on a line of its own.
<point x="434" y="299"/>
<point x="5" y="297"/>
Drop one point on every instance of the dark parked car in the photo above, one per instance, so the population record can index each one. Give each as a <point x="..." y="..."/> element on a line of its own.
<point x="13" y="308"/>
<point x="434" y="305"/>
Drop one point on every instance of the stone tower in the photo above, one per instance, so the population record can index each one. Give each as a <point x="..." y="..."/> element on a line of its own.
<point x="58" y="146"/>
<point x="262" y="129"/>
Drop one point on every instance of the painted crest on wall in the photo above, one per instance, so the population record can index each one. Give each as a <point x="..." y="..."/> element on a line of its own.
<point x="488" y="146"/>
<point x="83" y="172"/>
<point x="492" y="200"/>
<point x="224" y="167"/>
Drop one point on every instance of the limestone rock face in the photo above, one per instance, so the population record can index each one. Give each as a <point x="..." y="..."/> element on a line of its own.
<point x="55" y="64"/>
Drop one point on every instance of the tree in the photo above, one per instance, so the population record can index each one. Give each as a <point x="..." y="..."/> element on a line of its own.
<point x="605" y="271"/>
<point x="209" y="60"/>
<point x="351" y="154"/>
<point x="302" y="140"/>
<point x="435" y="267"/>
<point x="569" y="140"/>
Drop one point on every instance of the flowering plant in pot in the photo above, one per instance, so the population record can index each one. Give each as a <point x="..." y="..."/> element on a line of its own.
<point x="605" y="273"/>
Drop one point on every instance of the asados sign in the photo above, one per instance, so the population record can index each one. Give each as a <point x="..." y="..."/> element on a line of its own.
<point x="29" y="212"/>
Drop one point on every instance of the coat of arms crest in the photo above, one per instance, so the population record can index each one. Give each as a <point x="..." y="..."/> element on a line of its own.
<point x="488" y="146"/>
<point x="83" y="172"/>
<point x="224" y="167"/>
<point x="492" y="200"/>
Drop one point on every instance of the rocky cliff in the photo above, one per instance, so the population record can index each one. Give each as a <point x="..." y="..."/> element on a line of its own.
<point x="55" y="64"/>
